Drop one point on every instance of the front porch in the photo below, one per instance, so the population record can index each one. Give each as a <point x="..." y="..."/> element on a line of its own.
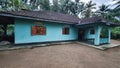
<point x="6" y="30"/>
<point x="96" y="34"/>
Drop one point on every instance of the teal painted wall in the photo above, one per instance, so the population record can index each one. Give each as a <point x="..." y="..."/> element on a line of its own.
<point x="54" y="32"/>
<point x="96" y="36"/>
<point x="104" y="40"/>
<point x="99" y="40"/>
<point x="88" y="35"/>
<point x="108" y="33"/>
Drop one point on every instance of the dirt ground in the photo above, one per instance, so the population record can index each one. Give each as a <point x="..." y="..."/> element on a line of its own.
<point x="61" y="56"/>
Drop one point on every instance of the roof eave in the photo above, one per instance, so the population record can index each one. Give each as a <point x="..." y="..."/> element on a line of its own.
<point x="39" y="19"/>
<point x="112" y="24"/>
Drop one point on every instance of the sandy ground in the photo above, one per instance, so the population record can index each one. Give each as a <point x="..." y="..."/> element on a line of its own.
<point x="61" y="56"/>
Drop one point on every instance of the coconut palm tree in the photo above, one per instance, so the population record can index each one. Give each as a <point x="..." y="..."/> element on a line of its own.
<point x="114" y="14"/>
<point x="4" y="4"/>
<point x="76" y="7"/>
<point x="117" y="3"/>
<point x="13" y="5"/>
<point x="56" y="6"/>
<point x="103" y="10"/>
<point x="88" y="9"/>
<point x="45" y="5"/>
<point x="64" y="6"/>
<point x="17" y="5"/>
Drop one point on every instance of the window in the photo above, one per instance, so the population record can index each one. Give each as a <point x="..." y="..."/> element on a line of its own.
<point x="92" y="31"/>
<point x="38" y="30"/>
<point x="65" y="30"/>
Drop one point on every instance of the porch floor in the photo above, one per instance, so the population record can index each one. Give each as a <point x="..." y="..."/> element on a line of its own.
<point x="114" y="43"/>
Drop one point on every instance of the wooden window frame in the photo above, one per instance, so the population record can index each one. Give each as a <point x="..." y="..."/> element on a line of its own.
<point x="38" y="30"/>
<point x="65" y="30"/>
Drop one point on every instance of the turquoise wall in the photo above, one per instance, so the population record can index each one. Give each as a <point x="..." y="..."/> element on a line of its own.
<point x="96" y="36"/>
<point x="108" y="33"/>
<point x="104" y="40"/>
<point x="88" y="35"/>
<point x="53" y="32"/>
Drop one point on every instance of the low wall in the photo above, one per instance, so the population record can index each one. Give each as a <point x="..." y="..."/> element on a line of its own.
<point x="103" y="40"/>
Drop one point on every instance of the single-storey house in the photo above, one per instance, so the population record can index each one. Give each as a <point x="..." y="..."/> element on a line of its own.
<point x="46" y="26"/>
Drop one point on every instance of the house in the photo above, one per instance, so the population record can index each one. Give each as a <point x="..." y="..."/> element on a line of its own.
<point x="44" y="26"/>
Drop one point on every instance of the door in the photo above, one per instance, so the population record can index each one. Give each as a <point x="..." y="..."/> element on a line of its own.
<point x="81" y="35"/>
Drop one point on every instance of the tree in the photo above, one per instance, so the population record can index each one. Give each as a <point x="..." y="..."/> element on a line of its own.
<point x="4" y="4"/>
<point x="116" y="14"/>
<point x="87" y="12"/>
<point x="45" y="5"/>
<point x="17" y="5"/>
<point x="117" y="4"/>
<point x="76" y="7"/>
<point x="116" y="33"/>
<point x="116" y="10"/>
<point x="64" y="6"/>
<point x="103" y="10"/>
<point x="56" y="6"/>
<point x="14" y="5"/>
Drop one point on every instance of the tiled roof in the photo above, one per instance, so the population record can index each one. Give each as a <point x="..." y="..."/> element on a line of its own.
<point x="96" y="19"/>
<point x="55" y="17"/>
<point x="45" y="16"/>
<point x="90" y="20"/>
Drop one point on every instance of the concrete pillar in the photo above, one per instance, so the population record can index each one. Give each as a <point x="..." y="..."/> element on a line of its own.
<point x="97" y="35"/>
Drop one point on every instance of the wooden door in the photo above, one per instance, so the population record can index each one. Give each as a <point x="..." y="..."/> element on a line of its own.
<point x="81" y="35"/>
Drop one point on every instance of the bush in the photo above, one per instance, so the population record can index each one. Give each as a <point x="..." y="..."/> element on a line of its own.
<point x="116" y="33"/>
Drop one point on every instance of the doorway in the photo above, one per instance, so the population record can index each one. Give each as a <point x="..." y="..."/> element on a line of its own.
<point x="81" y="35"/>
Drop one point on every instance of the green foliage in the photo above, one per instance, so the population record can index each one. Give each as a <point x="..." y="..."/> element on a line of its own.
<point x="6" y="29"/>
<point x="65" y="5"/>
<point x="45" y="4"/>
<point x="62" y="6"/>
<point x="103" y="10"/>
<point x="116" y="33"/>
<point x="104" y="33"/>
<point x="13" y="5"/>
<point x="109" y="14"/>
<point x="117" y="4"/>
<point x="116" y="30"/>
<point x="75" y="7"/>
<point x="56" y="6"/>
<point x="87" y="11"/>
<point x="10" y="27"/>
